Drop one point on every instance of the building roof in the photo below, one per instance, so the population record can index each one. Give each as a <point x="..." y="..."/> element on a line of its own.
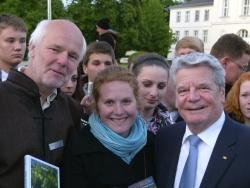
<point x="193" y="3"/>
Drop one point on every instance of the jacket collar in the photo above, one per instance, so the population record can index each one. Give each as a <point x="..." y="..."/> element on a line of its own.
<point x="23" y="82"/>
<point x="223" y="154"/>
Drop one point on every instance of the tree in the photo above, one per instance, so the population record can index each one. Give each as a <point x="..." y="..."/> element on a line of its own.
<point x="128" y="25"/>
<point x="86" y="13"/>
<point x="156" y="35"/>
<point x="82" y="13"/>
<point x="32" y="11"/>
<point x="141" y="24"/>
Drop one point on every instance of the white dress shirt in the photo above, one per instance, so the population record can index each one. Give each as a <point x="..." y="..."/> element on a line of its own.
<point x="4" y="75"/>
<point x="173" y="116"/>
<point x="205" y="148"/>
<point x="46" y="103"/>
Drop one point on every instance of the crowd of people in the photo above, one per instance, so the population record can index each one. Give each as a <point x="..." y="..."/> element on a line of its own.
<point x="155" y="124"/>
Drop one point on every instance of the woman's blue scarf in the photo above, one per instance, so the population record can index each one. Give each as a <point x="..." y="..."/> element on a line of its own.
<point x="126" y="148"/>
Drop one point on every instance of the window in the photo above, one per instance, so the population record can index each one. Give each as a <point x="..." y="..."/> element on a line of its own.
<point x="187" y="16"/>
<point x="243" y="33"/>
<point x="186" y="33"/>
<point x="205" y="35"/>
<point x="225" y="7"/>
<point x="196" y="33"/>
<point x="178" y="16"/>
<point x="197" y="16"/>
<point x="206" y="15"/>
<point x="177" y="35"/>
<point x="245" y="7"/>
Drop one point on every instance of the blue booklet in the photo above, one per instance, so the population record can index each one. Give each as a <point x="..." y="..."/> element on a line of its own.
<point x="39" y="173"/>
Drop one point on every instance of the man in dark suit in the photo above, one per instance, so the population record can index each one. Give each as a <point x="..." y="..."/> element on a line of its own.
<point x="222" y="152"/>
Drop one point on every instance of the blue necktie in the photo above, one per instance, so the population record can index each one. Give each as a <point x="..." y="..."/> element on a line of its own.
<point x="189" y="172"/>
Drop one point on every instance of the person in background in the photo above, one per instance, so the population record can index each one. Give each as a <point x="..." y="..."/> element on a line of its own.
<point x="13" y="35"/>
<point x="69" y="87"/>
<point x="106" y="33"/>
<point x="168" y="101"/>
<point x="234" y="55"/>
<point x="35" y="116"/>
<point x="114" y="149"/>
<point x="151" y="71"/>
<point x="187" y="45"/>
<point x="184" y="46"/>
<point x="132" y="58"/>
<point x="208" y="149"/>
<point x="237" y="103"/>
<point x="99" y="55"/>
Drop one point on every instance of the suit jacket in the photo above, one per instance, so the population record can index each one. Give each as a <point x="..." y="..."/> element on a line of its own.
<point x="229" y="164"/>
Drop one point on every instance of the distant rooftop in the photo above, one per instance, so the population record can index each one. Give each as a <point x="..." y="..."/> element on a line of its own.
<point x="193" y="3"/>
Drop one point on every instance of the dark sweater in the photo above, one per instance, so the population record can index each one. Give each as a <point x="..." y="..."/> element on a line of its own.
<point x="89" y="164"/>
<point x="26" y="129"/>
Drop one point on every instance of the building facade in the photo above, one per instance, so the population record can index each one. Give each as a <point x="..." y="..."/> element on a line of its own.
<point x="209" y="19"/>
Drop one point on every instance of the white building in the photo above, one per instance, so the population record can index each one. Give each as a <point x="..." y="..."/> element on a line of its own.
<point x="209" y="19"/>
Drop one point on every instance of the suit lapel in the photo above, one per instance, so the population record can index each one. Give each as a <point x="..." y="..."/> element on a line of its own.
<point x="176" y="139"/>
<point x="223" y="154"/>
<point x="176" y="153"/>
<point x="168" y="144"/>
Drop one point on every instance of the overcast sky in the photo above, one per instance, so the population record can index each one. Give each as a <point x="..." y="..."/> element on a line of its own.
<point x="65" y="2"/>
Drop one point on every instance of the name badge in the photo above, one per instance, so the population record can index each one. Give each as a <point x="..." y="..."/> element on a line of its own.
<point x="56" y="145"/>
<point x="146" y="183"/>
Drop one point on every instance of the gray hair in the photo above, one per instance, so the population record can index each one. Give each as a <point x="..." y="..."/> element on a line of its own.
<point x="39" y="32"/>
<point x="199" y="59"/>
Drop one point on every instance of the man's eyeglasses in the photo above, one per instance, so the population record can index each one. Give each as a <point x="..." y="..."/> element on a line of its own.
<point x="243" y="68"/>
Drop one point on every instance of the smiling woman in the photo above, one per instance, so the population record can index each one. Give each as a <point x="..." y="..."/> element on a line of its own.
<point x="115" y="148"/>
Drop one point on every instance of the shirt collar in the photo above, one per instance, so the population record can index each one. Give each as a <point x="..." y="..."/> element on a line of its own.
<point x="45" y="104"/>
<point x="209" y="135"/>
<point x="173" y="116"/>
<point x="4" y="75"/>
<point x="48" y="100"/>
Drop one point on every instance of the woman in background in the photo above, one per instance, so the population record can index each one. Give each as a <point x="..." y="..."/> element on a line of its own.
<point x="237" y="103"/>
<point x="114" y="150"/>
<point x="151" y="71"/>
<point x="69" y="87"/>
